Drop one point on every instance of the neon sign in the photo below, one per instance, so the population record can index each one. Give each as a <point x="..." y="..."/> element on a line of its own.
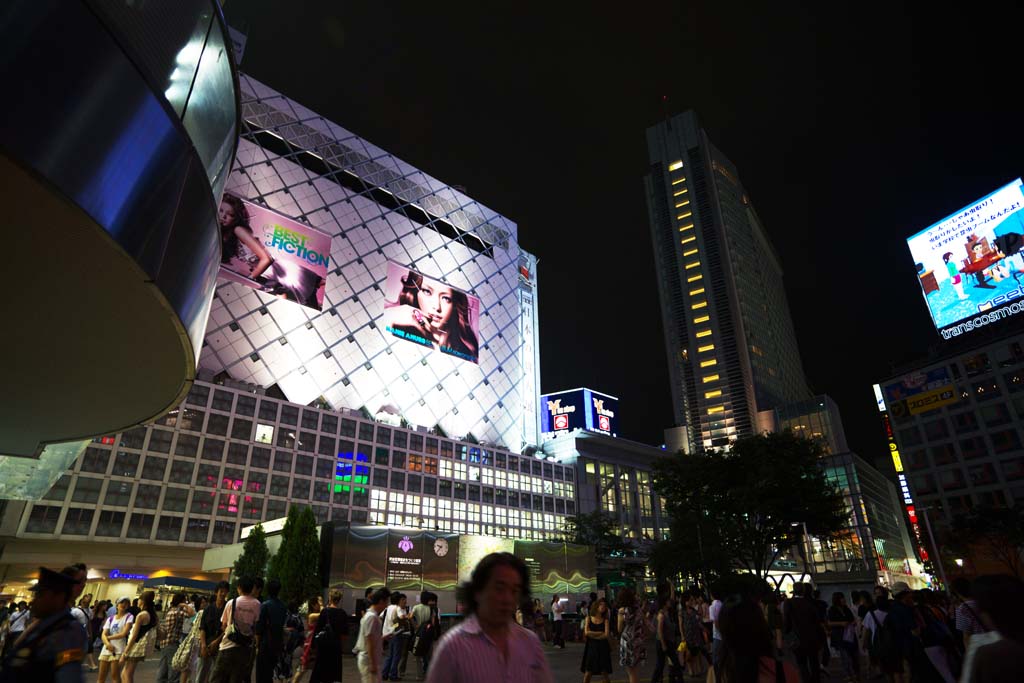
<point x="118" y="574"/>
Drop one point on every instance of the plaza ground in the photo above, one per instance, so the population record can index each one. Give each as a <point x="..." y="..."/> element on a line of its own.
<point x="565" y="665"/>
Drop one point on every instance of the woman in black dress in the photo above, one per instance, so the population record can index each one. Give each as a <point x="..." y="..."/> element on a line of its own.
<point x="597" y="651"/>
<point x="329" y="641"/>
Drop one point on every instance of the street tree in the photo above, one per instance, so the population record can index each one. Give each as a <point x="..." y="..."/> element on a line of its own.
<point x="297" y="562"/>
<point x="693" y="550"/>
<point x="754" y="499"/>
<point x="996" y="534"/>
<point x="597" y="529"/>
<point x="254" y="558"/>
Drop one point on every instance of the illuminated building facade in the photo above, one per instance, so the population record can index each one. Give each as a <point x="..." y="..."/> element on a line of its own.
<point x="731" y="347"/>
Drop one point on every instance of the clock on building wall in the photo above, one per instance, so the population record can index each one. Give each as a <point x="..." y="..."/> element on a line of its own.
<point x="441" y="547"/>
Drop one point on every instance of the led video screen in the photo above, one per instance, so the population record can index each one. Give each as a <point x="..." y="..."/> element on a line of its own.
<point x="272" y="253"/>
<point x="969" y="264"/>
<point x="428" y="312"/>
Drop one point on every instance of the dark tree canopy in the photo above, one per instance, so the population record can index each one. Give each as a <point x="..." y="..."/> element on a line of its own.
<point x="297" y="562"/>
<point x="996" y="534"/>
<point x="754" y="499"/>
<point x="597" y="529"/>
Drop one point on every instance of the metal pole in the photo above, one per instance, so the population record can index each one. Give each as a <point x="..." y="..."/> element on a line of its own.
<point x="807" y="550"/>
<point x="935" y="548"/>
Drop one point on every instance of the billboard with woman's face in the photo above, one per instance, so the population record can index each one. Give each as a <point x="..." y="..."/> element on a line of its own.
<point x="272" y="253"/>
<point x="431" y="313"/>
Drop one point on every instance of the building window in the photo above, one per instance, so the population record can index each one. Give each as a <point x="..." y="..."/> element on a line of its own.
<point x="217" y="424"/>
<point x="264" y="434"/>
<point x="303" y="465"/>
<point x="77" y="521"/>
<point x="202" y="502"/>
<point x="187" y="445"/>
<point x="160" y="440"/>
<point x="208" y="475"/>
<point x="260" y="458"/>
<point x="153" y="468"/>
<point x="168" y="528"/>
<point x="366" y="432"/>
<point x="1005" y="441"/>
<point x="348" y="427"/>
<point x="282" y="461"/>
<point x="328" y="446"/>
<point x="223" y="532"/>
<point x="252" y="507"/>
<point x="995" y="415"/>
<point x="329" y="424"/>
<point x="213" y="450"/>
<point x="96" y="460"/>
<point x="310" y="419"/>
<point x="110" y="523"/>
<point x="197" y="530"/>
<point x="198" y="395"/>
<point x="42" y="519"/>
<point x="238" y="453"/>
<point x="140" y="525"/>
<point x="175" y="499"/>
<point x="181" y="472"/>
<point x="118" y="493"/>
<point x="241" y="429"/>
<point x="257" y="482"/>
<point x="936" y="429"/>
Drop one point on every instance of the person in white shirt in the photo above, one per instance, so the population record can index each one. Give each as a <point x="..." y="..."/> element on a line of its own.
<point x="557" y="636"/>
<point x="716" y="636"/>
<point x="114" y="634"/>
<point x="489" y="645"/>
<point x="235" y="656"/>
<point x="16" y="624"/>
<point x="396" y="633"/>
<point x="369" y="647"/>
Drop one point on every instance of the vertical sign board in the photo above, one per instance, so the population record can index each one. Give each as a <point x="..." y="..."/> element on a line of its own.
<point x="565" y="411"/>
<point x="898" y="394"/>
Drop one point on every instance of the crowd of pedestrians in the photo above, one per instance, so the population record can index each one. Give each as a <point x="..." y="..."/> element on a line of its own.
<point x="974" y="634"/>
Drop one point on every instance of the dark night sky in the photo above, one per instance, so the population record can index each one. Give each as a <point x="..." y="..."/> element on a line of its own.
<point x="851" y="131"/>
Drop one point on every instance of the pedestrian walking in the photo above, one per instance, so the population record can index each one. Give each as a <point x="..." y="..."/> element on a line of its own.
<point x="270" y="637"/>
<point x="16" y="623"/>
<point x="488" y="645"/>
<point x="142" y="638"/>
<point x="667" y="637"/>
<point x="426" y="629"/>
<point x="843" y="635"/>
<point x="169" y="635"/>
<point x="747" y="652"/>
<point x="803" y="625"/>
<point x="329" y="640"/>
<point x="694" y="635"/>
<point x="308" y="659"/>
<point x="396" y="630"/>
<point x="114" y="634"/>
<point x="557" y="608"/>
<point x="597" y="652"/>
<point x="234" y="656"/>
<point x="211" y="633"/>
<point x="369" y="646"/>
<point x="632" y="623"/>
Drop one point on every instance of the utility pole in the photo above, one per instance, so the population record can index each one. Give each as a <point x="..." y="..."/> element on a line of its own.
<point x="935" y="549"/>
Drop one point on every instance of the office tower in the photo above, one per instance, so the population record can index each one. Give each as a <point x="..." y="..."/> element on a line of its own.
<point x="729" y="337"/>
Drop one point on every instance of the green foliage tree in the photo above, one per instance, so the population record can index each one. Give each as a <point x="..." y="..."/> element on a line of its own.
<point x="996" y="534"/>
<point x="254" y="558"/>
<point x="753" y="500"/>
<point x="693" y="550"/>
<point x="597" y="529"/>
<point x="297" y="562"/>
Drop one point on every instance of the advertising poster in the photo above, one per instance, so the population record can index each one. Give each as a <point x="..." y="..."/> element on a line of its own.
<point x="472" y="549"/>
<point x="272" y="253"/>
<point x="365" y="557"/>
<point x="405" y="559"/>
<point x="581" y="563"/>
<point x="428" y="312"/>
<point x="969" y="265"/>
<point x="546" y="562"/>
<point x="579" y="409"/>
<point x="440" y="561"/>
<point x="920" y="392"/>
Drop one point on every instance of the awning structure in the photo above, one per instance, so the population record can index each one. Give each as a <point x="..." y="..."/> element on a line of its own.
<point x="175" y="582"/>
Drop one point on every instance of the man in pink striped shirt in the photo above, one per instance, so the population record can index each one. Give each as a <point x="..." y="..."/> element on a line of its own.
<point x="489" y="645"/>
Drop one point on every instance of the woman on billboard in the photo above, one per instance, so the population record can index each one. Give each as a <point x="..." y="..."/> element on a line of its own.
<point x="241" y="252"/>
<point x="437" y="314"/>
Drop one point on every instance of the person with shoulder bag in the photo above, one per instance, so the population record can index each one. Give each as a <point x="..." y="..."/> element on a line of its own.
<point x="235" y="655"/>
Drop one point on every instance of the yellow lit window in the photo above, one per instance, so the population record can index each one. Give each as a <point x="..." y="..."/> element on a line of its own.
<point x="716" y="409"/>
<point x="679" y="192"/>
<point x="708" y="363"/>
<point x="704" y="333"/>
<point x="687" y="240"/>
<point x="694" y="278"/>
<point x="678" y="180"/>
<point x="699" y="304"/>
<point x="684" y="228"/>
<point x="713" y="394"/>
<point x="690" y="252"/>
<point x="695" y="264"/>
<point x="695" y="292"/>
<point x="684" y="215"/>
<point x="709" y="378"/>
<point x="682" y="203"/>
<point x="706" y="348"/>
<point x="674" y="165"/>
<point x="702" y="319"/>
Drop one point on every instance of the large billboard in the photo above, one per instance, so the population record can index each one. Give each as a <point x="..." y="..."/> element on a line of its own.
<point x="969" y="264"/>
<point x="430" y="313"/>
<point x="920" y="392"/>
<point x="272" y="253"/>
<point x="565" y="411"/>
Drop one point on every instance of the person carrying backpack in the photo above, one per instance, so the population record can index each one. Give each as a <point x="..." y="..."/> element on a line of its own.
<point x="426" y="630"/>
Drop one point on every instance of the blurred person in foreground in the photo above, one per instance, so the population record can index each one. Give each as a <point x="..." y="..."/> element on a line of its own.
<point x="52" y="647"/>
<point x="1000" y="601"/>
<point x="369" y="649"/>
<point x="488" y="645"/>
<point x="748" y="652"/>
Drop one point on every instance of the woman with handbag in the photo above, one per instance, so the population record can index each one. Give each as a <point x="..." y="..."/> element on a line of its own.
<point x="843" y="629"/>
<point x="187" y="655"/>
<point x="329" y="640"/>
<point x="140" y="642"/>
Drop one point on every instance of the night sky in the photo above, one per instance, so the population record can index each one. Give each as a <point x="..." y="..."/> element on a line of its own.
<point x="850" y="131"/>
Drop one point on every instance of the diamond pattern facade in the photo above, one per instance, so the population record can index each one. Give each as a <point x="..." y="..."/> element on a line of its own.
<point x="377" y="208"/>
